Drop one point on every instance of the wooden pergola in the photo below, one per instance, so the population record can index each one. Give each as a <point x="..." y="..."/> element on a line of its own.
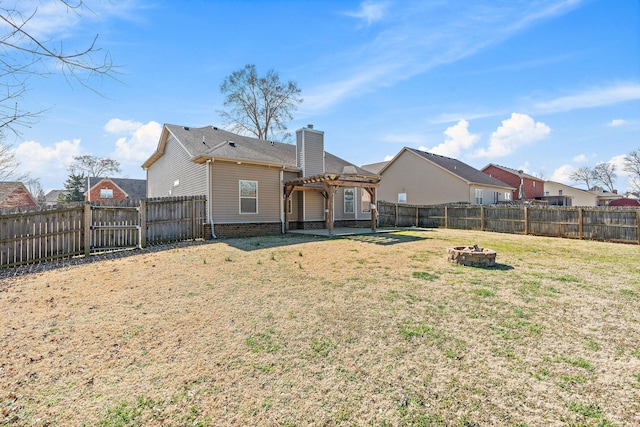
<point x="327" y="184"/>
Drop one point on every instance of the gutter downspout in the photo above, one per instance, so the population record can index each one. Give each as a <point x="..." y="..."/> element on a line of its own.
<point x="209" y="201"/>
<point x="282" y="206"/>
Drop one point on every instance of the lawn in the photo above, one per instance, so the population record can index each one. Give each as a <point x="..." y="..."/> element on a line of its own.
<point x="372" y="330"/>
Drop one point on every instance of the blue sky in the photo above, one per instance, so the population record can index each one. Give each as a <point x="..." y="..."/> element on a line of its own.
<point x="540" y="85"/>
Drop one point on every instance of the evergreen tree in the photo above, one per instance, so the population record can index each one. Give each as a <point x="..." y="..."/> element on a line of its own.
<point x="74" y="185"/>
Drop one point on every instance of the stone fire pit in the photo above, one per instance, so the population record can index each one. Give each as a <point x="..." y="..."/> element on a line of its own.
<point x="472" y="255"/>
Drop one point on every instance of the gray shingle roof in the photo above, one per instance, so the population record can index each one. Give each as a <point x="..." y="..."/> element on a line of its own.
<point x="463" y="170"/>
<point x="210" y="141"/>
<point x="375" y="167"/>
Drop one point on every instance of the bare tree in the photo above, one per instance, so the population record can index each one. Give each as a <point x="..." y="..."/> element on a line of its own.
<point x="36" y="190"/>
<point x="25" y="54"/>
<point x="583" y="175"/>
<point x="605" y="174"/>
<point x="258" y="106"/>
<point x="632" y="165"/>
<point x="94" y="166"/>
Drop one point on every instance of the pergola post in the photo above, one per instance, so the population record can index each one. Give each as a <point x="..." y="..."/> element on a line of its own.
<point x="331" y="189"/>
<point x="373" y="209"/>
<point x="287" y="195"/>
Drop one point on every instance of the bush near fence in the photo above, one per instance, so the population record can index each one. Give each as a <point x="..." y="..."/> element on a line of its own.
<point x="82" y="229"/>
<point x="615" y="224"/>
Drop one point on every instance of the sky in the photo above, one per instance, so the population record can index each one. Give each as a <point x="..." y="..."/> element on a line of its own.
<point x="545" y="86"/>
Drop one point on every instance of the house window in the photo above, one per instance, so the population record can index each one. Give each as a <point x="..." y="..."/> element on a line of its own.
<point x="546" y="193"/>
<point x="534" y="184"/>
<point x="559" y="192"/>
<point x="478" y="196"/>
<point x="106" y="193"/>
<point x="366" y="201"/>
<point x="248" y="197"/>
<point x="349" y="196"/>
<point x="402" y="197"/>
<point x="507" y="196"/>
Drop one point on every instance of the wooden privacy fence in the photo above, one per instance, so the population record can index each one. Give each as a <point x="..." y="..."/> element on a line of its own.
<point x="99" y="226"/>
<point x="593" y="223"/>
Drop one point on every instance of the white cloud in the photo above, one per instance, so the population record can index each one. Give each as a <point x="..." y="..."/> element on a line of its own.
<point x="47" y="163"/>
<point x="580" y="158"/>
<point x="119" y="126"/>
<point x="370" y="11"/>
<point x="591" y="98"/>
<point x="516" y="132"/>
<point x="388" y="157"/>
<point x="140" y="141"/>
<point x="617" y="122"/>
<point x="458" y="139"/>
<point x="562" y="174"/>
<point x="619" y="162"/>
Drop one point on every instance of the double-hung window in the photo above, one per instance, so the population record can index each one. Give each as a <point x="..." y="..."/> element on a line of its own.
<point x="349" y="200"/>
<point x="106" y="193"/>
<point x="248" y="197"/>
<point x="478" y="196"/>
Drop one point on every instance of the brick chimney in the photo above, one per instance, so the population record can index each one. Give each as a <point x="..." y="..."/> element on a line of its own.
<point x="310" y="151"/>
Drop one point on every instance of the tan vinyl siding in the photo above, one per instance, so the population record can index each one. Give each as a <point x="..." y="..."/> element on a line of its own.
<point x="313" y="206"/>
<point x="310" y="151"/>
<point x="225" y="192"/>
<point x="174" y="166"/>
<point x="422" y="181"/>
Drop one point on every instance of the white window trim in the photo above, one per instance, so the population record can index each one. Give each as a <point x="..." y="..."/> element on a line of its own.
<point x="240" y="197"/>
<point x="402" y="197"/>
<point x="481" y="198"/>
<point x="353" y="201"/>
<point x="104" y="192"/>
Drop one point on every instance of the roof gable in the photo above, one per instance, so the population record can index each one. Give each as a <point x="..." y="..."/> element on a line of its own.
<point x="460" y="169"/>
<point x="513" y="172"/>
<point x="210" y="142"/>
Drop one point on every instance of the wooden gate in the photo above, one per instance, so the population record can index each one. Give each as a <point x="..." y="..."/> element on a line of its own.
<point x="114" y="227"/>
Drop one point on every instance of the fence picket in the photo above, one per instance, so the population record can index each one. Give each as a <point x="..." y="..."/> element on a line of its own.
<point x="597" y="223"/>
<point x="29" y="237"/>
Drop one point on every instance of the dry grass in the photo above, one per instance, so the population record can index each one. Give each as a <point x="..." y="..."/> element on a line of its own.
<point x="371" y="330"/>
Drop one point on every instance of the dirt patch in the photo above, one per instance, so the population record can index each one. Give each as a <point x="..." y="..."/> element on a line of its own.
<point x="297" y="330"/>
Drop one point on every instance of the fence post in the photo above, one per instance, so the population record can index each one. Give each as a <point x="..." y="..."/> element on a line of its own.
<point x="417" y="220"/>
<point x="526" y="221"/>
<point x="192" y="202"/>
<point x="638" y="224"/>
<point x="396" y="219"/>
<point x="446" y="216"/>
<point x="580" y="219"/>
<point x="143" y="224"/>
<point x="481" y="218"/>
<point x="87" y="229"/>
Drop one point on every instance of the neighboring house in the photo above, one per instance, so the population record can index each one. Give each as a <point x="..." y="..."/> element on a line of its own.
<point x="260" y="187"/>
<point x="603" y="196"/>
<point x="14" y="195"/>
<point x="52" y="197"/>
<point x="420" y="178"/>
<point x="573" y="196"/>
<point x="115" y="189"/>
<point x="625" y="202"/>
<point x="526" y="185"/>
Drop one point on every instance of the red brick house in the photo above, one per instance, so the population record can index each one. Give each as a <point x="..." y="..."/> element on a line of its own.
<point x="14" y="195"/>
<point x="532" y="186"/>
<point x="116" y="189"/>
